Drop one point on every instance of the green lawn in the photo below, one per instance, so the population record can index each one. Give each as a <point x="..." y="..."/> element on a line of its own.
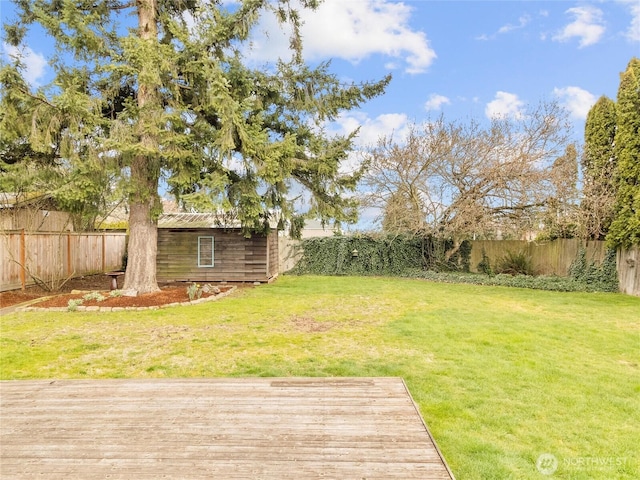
<point x="501" y="375"/>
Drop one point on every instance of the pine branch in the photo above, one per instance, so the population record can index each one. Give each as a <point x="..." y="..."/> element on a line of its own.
<point x="41" y="100"/>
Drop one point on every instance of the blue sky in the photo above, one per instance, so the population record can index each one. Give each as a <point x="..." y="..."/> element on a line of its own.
<point x="468" y="58"/>
<point x="461" y="59"/>
<point x="478" y="58"/>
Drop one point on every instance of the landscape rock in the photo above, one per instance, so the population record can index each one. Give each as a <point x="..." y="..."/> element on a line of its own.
<point x="208" y="288"/>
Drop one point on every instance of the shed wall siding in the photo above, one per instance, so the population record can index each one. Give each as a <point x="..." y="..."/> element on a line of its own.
<point x="236" y="258"/>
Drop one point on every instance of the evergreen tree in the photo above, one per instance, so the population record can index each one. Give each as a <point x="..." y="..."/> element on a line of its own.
<point x="599" y="166"/>
<point x="173" y="98"/>
<point x="625" y="228"/>
<point x="39" y="163"/>
<point x="561" y="207"/>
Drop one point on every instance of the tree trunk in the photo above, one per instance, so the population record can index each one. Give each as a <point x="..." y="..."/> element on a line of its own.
<point x="142" y="249"/>
<point x="143" y="228"/>
<point x="143" y="231"/>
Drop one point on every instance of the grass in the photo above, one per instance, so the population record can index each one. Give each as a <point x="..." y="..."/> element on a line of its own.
<point x="501" y="375"/>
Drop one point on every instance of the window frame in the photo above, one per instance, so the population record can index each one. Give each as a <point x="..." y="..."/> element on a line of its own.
<point x="201" y="239"/>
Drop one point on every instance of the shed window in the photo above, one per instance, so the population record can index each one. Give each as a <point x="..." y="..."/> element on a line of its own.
<point x="205" y="251"/>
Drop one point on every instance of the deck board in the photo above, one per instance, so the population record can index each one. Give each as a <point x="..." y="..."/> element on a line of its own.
<point x="257" y="428"/>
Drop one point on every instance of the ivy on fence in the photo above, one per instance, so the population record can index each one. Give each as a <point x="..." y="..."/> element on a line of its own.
<point x="380" y="255"/>
<point x="602" y="278"/>
<point x="438" y="260"/>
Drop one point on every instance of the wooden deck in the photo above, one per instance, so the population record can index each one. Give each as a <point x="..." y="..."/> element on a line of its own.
<point x="258" y="428"/>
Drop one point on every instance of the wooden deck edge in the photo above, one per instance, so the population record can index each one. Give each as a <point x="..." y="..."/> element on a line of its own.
<point x="433" y="440"/>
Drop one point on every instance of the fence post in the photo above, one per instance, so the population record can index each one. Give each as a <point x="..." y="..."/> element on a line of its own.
<point x="104" y="262"/>
<point x="69" y="260"/>
<point x="23" y="256"/>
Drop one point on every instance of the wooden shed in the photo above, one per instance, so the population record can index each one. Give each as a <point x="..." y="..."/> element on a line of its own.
<point x="195" y="247"/>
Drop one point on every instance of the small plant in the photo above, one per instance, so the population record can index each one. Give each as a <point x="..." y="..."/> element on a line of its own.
<point x="515" y="263"/>
<point x="97" y="296"/>
<point x="485" y="264"/>
<point x="194" y="291"/>
<point x="73" y="304"/>
<point x="115" y="293"/>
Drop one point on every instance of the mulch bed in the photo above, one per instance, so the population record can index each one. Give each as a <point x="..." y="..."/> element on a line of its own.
<point x="170" y="293"/>
<point x="16" y="296"/>
<point x="163" y="297"/>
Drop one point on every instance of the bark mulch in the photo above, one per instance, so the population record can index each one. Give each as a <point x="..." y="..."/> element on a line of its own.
<point x="170" y="293"/>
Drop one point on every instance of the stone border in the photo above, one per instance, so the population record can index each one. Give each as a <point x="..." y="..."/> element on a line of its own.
<point x="96" y="308"/>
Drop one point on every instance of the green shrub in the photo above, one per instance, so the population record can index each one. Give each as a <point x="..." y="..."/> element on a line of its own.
<point x="465" y="255"/>
<point x="515" y="263"/>
<point x="542" y="282"/>
<point x="484" y="266"/>
<point x="97" y="296"/>
<point x="73" y="304"/>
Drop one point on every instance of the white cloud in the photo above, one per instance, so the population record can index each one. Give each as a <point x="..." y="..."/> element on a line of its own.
<point x="633" y="33"/>
<point x="504" y="105"/>
<point x="522" y="22"/>
<point x="576" y="100"/>
<point x="34" y="64"/>
<point x="371" y="129"/>
<point x="587" y="26"/>
<point x="351" y="31"/>
<point x="436" y="101"/>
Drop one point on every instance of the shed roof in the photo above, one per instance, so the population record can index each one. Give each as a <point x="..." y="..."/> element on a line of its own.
<point x="202" y="220"/>
<point x="197" y="220"/>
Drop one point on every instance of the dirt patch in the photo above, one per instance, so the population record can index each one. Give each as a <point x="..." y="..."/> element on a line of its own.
<point x="310" y="325"/>
<point x="169" y="293"/>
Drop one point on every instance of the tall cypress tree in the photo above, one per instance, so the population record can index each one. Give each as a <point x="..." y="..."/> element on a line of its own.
<point x="171" y="97"/>
<point x="599" y="166"/>
<point x="625" y="228"/>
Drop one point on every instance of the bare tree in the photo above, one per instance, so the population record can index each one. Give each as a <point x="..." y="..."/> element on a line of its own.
<point x="457" y="180"/>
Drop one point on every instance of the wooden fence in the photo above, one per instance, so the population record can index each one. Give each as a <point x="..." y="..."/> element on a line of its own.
<point x="629" y="270"/>
<point x="548" y="258"/>
<point x="54" y="257"/>
<point x="555" y="258"/>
